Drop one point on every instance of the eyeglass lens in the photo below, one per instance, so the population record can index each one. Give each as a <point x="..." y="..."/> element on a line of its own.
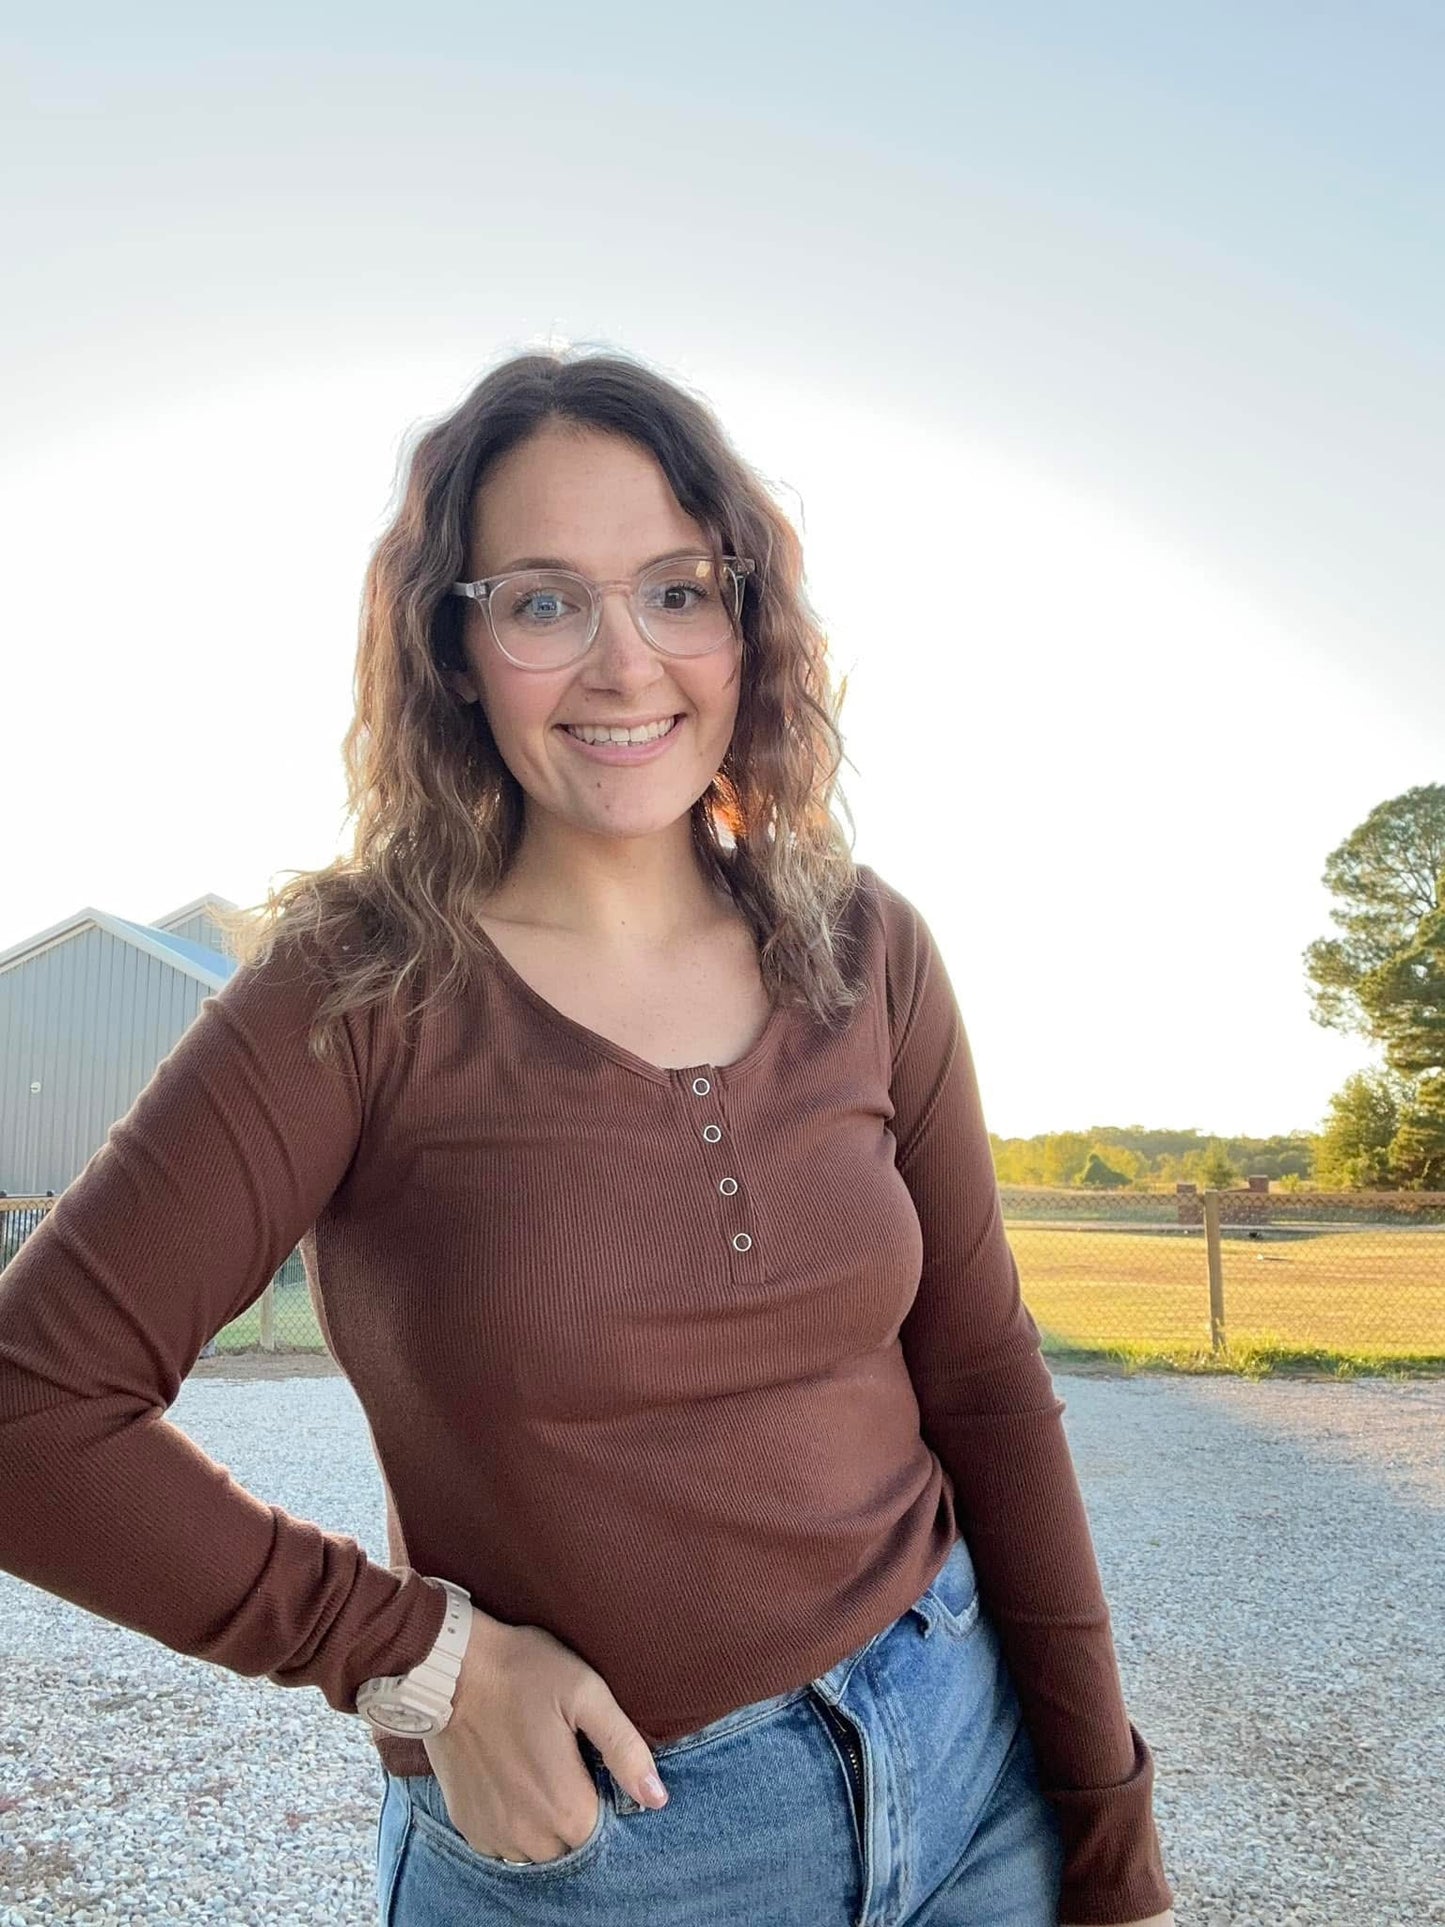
<point x="543" y="617"/>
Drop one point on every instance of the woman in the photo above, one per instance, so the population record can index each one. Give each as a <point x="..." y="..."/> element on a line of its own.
<point x="631" y="1136"/>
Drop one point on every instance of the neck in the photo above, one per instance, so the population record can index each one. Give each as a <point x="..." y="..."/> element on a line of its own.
<point x="641" y="890"/>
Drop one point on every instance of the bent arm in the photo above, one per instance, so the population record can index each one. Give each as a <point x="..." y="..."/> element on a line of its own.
<point x="173" y="1228"/>
<point x="989" y="1411"/>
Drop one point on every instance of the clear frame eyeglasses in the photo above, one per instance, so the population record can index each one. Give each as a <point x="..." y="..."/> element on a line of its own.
<point x="686" y="605"/>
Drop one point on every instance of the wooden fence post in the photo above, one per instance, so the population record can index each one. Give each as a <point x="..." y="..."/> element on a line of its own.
<point x="1216" y="1270"/>
<point x="268" y="1317"/>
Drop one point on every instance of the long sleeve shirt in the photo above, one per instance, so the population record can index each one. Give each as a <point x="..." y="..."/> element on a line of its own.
<point x="701" y="1369"/>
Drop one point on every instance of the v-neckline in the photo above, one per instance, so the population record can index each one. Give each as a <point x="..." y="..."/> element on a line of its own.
<point x="609" y="1047"/>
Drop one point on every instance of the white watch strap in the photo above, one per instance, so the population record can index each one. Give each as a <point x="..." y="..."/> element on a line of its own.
<point x="451" y="1642"/>
<point x="431" y="1683"/>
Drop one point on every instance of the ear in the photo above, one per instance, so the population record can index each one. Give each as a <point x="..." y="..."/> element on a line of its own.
<point x="462" y="685"/>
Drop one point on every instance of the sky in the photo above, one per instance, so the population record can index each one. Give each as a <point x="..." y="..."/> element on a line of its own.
<point x="1096" y="353"/>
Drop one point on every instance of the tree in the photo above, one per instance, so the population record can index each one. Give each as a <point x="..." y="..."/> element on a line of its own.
<point x="1216" y="1173"/>
<point x="1405" y="1001"/>
<point x="1352" y="1152"/>
<point x="1096" y="1172"/>
<point x="1064" y="1155"/>
<point x="1418" y="1151"/>
<point x="1388" y="877"/>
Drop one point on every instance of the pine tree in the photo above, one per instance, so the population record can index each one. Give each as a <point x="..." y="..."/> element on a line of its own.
<point x="1352" y="1152"/>
<point x="1388" y="878"/>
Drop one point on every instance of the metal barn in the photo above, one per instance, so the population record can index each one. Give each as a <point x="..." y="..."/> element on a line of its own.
<point x="88" y="1008"/>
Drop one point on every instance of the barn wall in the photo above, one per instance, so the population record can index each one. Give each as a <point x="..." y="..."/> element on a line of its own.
<point x="87" y="1019"/>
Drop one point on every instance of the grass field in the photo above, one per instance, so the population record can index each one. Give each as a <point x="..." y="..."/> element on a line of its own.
<point x="296" y="1327"/>
<point x="1366" y="1297"/>
<point x="1344" y="1301"/>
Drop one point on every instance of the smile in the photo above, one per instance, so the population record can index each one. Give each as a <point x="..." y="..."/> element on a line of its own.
<point x="604" y="733"/>
<point x="619" y="746"/>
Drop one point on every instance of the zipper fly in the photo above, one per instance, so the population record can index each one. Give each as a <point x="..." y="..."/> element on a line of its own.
<point x="851" y="1753"/>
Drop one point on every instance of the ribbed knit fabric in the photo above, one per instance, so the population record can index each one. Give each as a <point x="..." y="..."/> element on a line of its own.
<point x="711" y="1435"/>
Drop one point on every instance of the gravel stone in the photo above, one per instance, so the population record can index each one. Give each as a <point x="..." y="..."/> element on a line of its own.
<point x="1273" y="1554"/>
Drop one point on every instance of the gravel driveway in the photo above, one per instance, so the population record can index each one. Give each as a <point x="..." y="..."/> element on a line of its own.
<point x="1274" y="1559"/>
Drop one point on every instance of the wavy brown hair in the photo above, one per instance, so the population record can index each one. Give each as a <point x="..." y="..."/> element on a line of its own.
<point x="439" y="815"/>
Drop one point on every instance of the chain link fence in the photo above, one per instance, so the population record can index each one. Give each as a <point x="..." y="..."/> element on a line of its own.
<point x="281" y="1320"/>
<point x="1231" y="1278"/>
<point x="1321" y="1277"/>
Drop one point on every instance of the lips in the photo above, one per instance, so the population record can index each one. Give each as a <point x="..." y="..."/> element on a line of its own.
<point x="626" y="753"/>
<point x="671" y="722"/>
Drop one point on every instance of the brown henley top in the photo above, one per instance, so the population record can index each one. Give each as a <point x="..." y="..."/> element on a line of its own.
<point x="701" y="1369"/>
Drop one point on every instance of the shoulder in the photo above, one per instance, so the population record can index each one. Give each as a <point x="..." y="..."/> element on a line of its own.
<point x="289" y="984"/>
<point x="319" y="935"/>
<point x="894" y="915"/>
<point x="294" y="954"/>
<point x="908" y="959"/>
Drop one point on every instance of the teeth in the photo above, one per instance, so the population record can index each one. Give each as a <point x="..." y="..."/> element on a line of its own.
<point x="585" y="733"/>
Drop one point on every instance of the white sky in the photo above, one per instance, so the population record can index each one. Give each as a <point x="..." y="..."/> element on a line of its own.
<point x="1135" y="346"/>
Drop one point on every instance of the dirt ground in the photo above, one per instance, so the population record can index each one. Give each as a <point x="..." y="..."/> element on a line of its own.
<point x="239" y="1366"/>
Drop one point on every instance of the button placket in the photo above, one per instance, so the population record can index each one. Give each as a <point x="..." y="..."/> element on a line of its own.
<point x="702" y="1085"/>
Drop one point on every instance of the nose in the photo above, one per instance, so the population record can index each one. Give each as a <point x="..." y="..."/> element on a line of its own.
<point x="621" y="657"/>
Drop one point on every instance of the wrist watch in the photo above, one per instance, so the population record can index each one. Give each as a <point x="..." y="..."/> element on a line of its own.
<point x="418" y="1703"/>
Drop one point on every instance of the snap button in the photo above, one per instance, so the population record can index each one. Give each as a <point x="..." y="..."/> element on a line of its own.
<point x="741" y="1241"/>
<point x="727" y="1186"/>
<point x="701" y="1086"/>
<point x="711" y="1132"/>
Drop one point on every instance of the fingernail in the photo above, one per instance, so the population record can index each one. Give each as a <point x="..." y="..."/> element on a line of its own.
<point x="654" y="1789"/>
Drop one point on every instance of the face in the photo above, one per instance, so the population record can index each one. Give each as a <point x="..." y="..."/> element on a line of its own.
<point x="604" y="506"/>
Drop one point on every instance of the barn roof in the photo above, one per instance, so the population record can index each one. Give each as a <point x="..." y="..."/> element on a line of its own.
<point x="208" y="967"/>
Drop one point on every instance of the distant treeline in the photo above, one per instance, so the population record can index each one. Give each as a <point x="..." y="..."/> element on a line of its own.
<point x="1114" y="1157"/>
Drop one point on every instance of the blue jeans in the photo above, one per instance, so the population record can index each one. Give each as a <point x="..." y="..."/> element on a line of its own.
<point x="941" y="1824"/>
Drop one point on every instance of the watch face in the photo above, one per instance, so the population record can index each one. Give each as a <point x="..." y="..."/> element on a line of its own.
<point x="402" y="1720"/>
<point x="382" y="1707"/>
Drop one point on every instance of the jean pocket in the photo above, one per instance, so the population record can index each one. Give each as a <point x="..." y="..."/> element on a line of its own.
<point x="434" y="1825"/>
<point x="393" y="1825"/>
<point x="952" y="1600"/>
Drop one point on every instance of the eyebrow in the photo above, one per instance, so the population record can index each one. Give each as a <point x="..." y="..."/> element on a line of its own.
<point x="561" y="562"/>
